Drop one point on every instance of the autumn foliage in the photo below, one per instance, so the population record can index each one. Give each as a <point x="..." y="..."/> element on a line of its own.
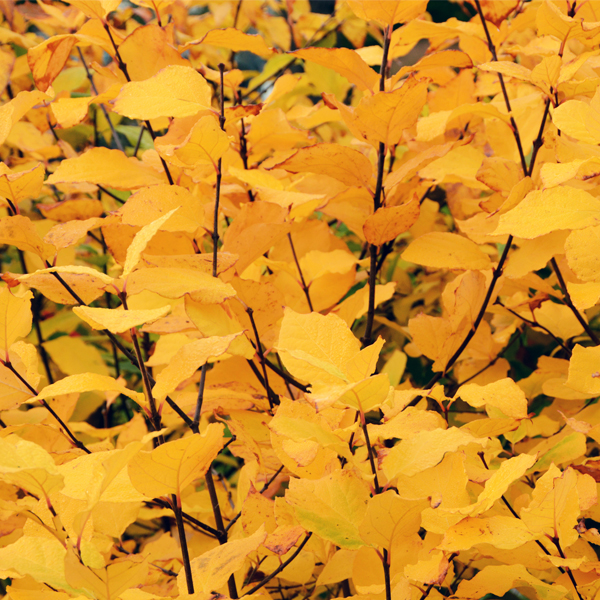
<point x="299" y="305"/>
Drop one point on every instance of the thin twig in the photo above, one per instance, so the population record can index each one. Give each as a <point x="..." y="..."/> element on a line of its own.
<point x="102" y="107"/>
<point x="373" y="249"/>
<point x="280" y="568"/>
<point x="273" y="399"/>
<point x="569" y="303"/>
<point x="535" y="324"/>
<point x="303" y="282"/>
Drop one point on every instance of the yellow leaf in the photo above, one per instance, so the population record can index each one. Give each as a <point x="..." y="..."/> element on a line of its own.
<point x="22" y="184"/>
<point x="140" y="241"/>
<point x="315" y="348"/>
<point x="29" y="466"/>
<point x="510" y="471"/>
<point x="234" y="40"/>
<point x="87" y="382"/>
<point x="383" y="116"/>
<point x="499" y="531"/>
<point x="212" y="569"/>
<point x="13" y="111"/>
<point x="20" y="231"/>
<point x="206" y="143"/>
<point x="340" y="162"/>
<point x="388" y="12"/>
<point x="429" y="571"/>
<point x="118" y="320"/>
<point x="508" y="68"/>
<point x="346" y="62"/>
<point x="367" y="394"/>
<point x="105" y="167"/>
<point x="95" y="9"/>
<point x="426" y="449"/>
<point x="442" y="250"/>
<point x="175" y="283"/>
<point x="148" y="49"/>
<point x="389" y="222"/>
<point x="388" y="516"/>
<point x="188" y="360"/>
<point x="582" y="249"/>
<point x="63" y="235"/>
<point x="584" y="370"/>
<point x="46" y="60"/>
<point x="43" y="558"/>
<point x="108" y="582"/>
<point x="503" y="394"/>
<point x="559" y="319"/>
<point x="544" y="211"/>
<point x="333" y="507"/>
<point x="498" y="579"/>
<point x="15" y="318"/>
<point x="172" y="466"/>
<point x="175" y="91"/>
<point x="72" y="356"/>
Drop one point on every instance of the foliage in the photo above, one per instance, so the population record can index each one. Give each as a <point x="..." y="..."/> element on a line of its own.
<point x="299" y="305"/>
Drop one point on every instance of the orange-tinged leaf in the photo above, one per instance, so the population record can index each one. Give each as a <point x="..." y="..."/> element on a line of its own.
<point x="188" y="360"/>
<point x="105" y="167"/>
<point x="175" y="91"/>
<point x="544" y="211"/>
<point x="333" y="507"/>
<point x="171" y="467"/>
<point x="64" y="235"/>
<point x="340" y="162"/>
<point x="22" y="184"/>
<point x="346" y="62"/>
<point x="235" y="40"/>
<point x="95" y="9"/>
<point x="388" y="12"/>
<point x="206" y="142"/>
<point x="443" y="250"/>
<point x="19" y="231"/>
<point x="47" y="59"/>
<point x="212" y="569"/>
<point x="389" y="222"/>
<point x="117" y="320"/>
<point x="148" y="204"/>
<point x="140" y="241"/>
<point x="148" y="49"/>
<point x="503" y="394"/>
<point x="383" y="116"/>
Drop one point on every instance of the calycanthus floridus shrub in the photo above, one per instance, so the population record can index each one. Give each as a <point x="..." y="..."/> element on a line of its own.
<point x="299" y="305"/>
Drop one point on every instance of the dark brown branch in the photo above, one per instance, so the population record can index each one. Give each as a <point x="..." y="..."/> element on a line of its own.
<point x="303" y="282"/>
<point x="373" y="249"/>
<point x="537" y="325"/>
<point x="569" y="303"/>
<point x="271" y="395"/>
<point x="280" y="568"/>
<point x="67" y="431"/>
<point x="102" y="107"/>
